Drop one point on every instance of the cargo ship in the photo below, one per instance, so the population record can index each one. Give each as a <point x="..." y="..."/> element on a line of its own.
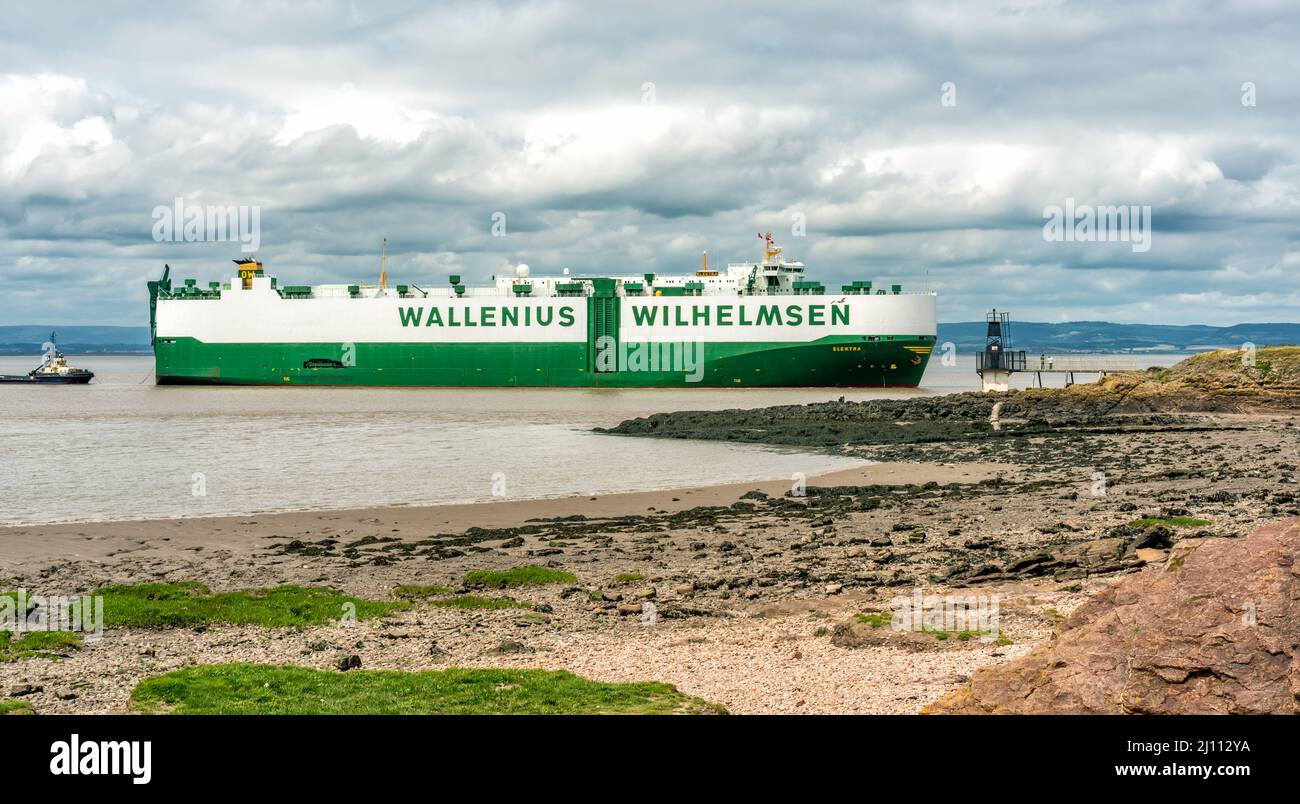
<point x="756" y="324"/>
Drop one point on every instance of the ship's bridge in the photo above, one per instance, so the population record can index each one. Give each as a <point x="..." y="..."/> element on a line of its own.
<point x="773" y="275"/>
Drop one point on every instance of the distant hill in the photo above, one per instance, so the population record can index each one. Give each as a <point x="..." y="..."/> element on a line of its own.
<point x="1102" y="336"/>
<point x="1071" y="336"/>
<point x="81" y="340"/>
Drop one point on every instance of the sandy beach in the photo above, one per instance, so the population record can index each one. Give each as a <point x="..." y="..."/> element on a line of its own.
<point x="720" y="656"/>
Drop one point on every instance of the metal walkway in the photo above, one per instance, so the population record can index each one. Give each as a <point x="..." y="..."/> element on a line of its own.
<point x="1076" y="365"/>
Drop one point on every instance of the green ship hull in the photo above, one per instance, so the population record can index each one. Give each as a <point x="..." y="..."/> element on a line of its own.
<point x="837" y="361"/>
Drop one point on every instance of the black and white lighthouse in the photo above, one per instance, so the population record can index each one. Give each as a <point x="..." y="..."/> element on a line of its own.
<point x="998" y="360"/>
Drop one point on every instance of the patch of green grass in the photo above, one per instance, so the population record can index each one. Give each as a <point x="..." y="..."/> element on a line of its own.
<point x="170" y="605"/>
<point x="966" y="636"/>
<point x="877" y="620"/>
<point x="420" y="591"/>
<point x="884" y="619"/>
<point x="476" y="602"/>
<point x="628" y="577"/>
<point x="267" y="689"/>
<point x="16" y="708"/>
<point x="37" y="644"/>
<point x="519" y="576"/>
<point x="1169" y="521"/>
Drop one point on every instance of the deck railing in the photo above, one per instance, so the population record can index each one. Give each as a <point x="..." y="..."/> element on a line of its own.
<point x="1101" y="365"/>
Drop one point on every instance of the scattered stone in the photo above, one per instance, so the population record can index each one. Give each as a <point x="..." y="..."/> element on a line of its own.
<point x="1157" y="536"/>
<point x="23" y="690"/>
<point x="349" y="662"/>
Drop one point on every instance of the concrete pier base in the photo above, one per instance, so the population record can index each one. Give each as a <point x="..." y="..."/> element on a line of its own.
<point x="995" y="380"/>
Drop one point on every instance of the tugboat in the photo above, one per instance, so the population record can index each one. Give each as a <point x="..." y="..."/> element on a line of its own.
<point x="54" y="369"/>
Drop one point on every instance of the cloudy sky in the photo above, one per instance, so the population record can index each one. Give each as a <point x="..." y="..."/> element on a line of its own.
<point x="914" y="141"/>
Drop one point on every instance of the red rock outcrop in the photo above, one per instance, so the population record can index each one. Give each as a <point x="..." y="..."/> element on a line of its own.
<point x="1214" y="630"/>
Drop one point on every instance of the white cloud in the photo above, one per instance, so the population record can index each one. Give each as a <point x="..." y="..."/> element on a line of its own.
<point x="346" y="123"/>
<point x="50" y="117"/>
<point x="372" y="114"/>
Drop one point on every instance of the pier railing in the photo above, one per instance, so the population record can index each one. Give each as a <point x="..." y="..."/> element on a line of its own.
<point x="991" y="363"/>
<point x="1099" y="365"/>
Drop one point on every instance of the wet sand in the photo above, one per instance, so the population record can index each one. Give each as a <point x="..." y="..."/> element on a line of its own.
<point x="28" y="548"/>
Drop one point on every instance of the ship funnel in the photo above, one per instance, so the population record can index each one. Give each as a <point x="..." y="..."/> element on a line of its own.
<point x="248" y="268"/>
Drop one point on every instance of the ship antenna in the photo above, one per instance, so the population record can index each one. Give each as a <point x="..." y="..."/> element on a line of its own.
<point x="770" y="249"/>
<point x="383" y="264"/>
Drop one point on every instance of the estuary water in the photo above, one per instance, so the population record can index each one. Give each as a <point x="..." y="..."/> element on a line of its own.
<point x="123" y="448"/>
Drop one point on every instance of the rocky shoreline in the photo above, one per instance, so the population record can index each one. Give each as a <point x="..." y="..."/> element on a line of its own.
<point x="1215" y="630"/>
<point x="766" y="597"/>
<point x="1153" y="401"/>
